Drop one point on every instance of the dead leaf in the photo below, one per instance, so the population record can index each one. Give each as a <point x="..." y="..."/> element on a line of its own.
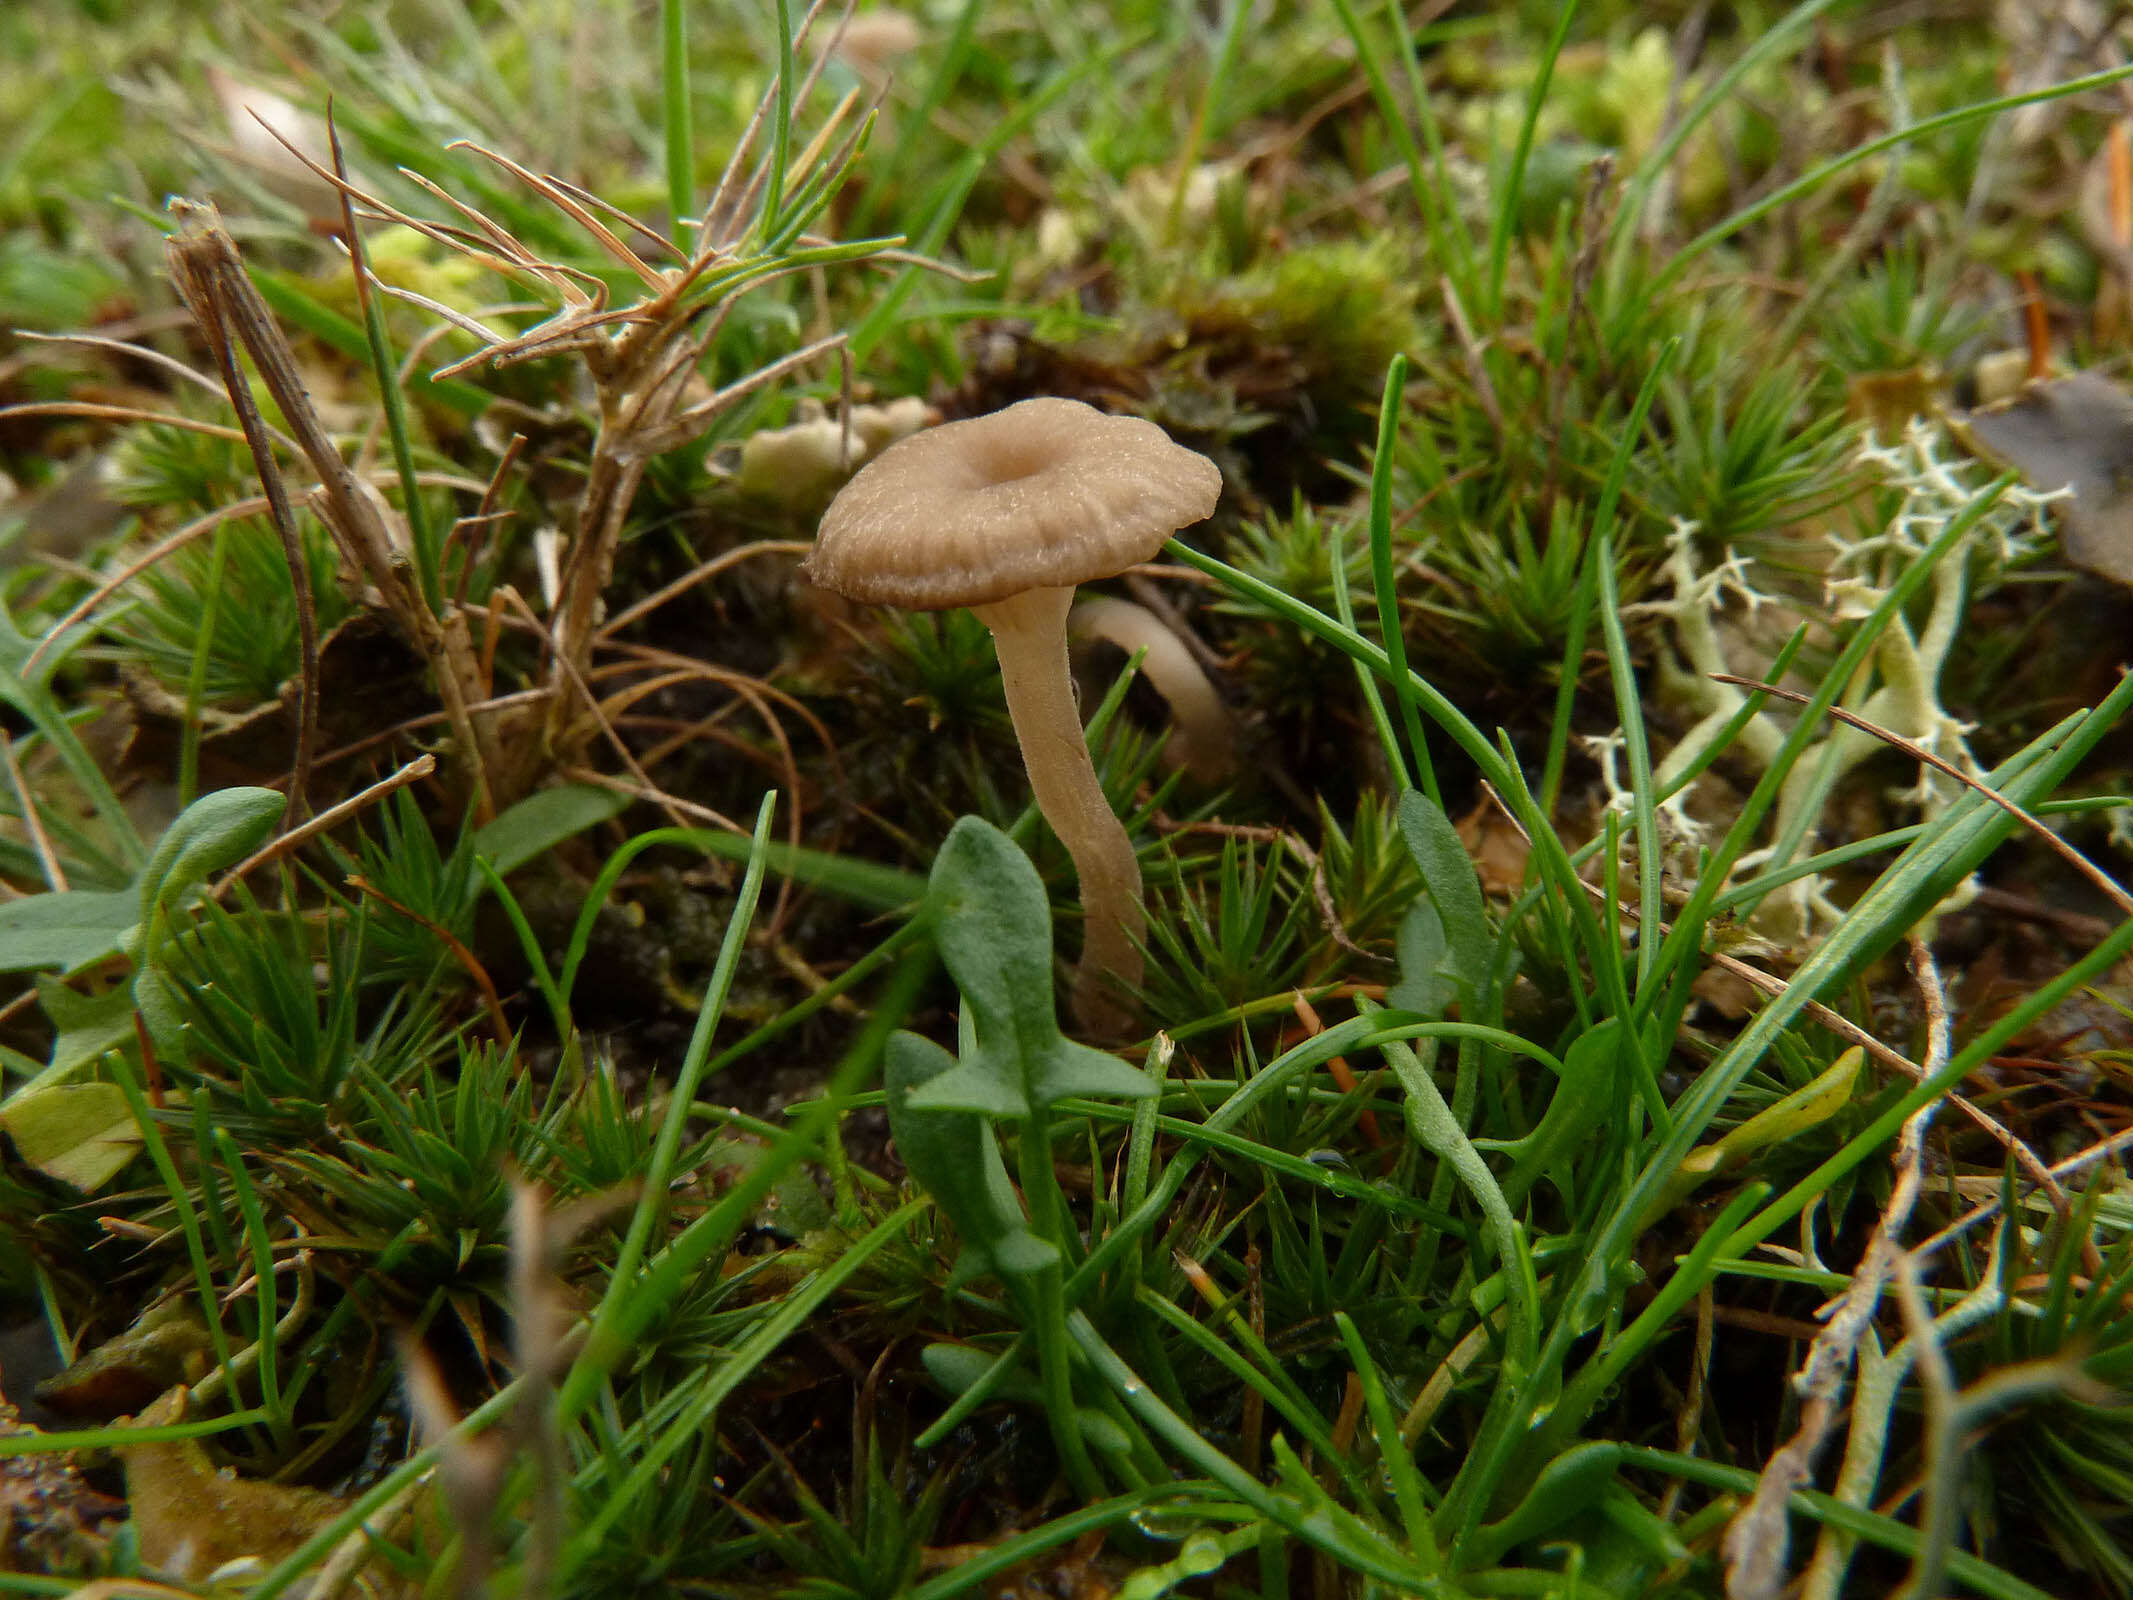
<point x="1498" y="848"/>
<point x="2071" y="433"/>
<point x="193" y="1517"/>
<point x="169" y="1345"/>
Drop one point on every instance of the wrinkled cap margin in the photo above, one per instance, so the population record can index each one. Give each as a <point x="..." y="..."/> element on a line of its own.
<point x="1046" y="494"/>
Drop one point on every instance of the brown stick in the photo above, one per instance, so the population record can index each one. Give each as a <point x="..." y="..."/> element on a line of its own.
<point x="2088" y="869"/>
<point x="211" y="281"/>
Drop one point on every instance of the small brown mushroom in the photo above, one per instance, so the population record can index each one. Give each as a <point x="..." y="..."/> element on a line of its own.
<point x="1203" y="735"/>
<point x="1006" y="513"/>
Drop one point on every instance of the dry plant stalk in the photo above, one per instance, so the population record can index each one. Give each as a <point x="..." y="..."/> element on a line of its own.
<point x="368" y="533"/>
<point x="473" y="1473"/>
<point x="644" y="358"/>
<point x="1757" y="1539"/>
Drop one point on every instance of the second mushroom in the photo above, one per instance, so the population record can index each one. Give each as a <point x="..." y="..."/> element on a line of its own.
<point x="1006" y="513"/>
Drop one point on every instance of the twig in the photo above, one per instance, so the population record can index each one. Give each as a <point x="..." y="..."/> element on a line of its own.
<point x="55" y="876"/>
<point x="1757" y="1539"/>
<point x="460" y="953"/>
<point x="421" y="767"/>
<point x="211" y="281"/>
<point x="2088" y="869"/>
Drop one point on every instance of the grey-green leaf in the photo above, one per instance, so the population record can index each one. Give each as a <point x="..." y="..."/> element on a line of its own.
<point x="955" y="1158"/>
<point x="1454" y="888"/>
<point x="215" y="832"/>
<point x="1425" y="987"/>
<point x="64" y="930"/>
<point x="994" y="929"/>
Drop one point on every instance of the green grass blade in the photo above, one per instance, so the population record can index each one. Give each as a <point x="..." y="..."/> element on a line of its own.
<point x="798" y="1304"/>
<point x="1511" y="187"/>
<point x="652" y="1202"/>
<point x="1809" y="181"/>
<point x="1381" y="580"/>
<point x="675" y="114"/>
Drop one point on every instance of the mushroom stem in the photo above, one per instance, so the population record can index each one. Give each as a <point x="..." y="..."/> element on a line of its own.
<point x="1029" y="630"/>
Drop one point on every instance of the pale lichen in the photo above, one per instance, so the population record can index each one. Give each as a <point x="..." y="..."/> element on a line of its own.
<point x="1896" y="688"/>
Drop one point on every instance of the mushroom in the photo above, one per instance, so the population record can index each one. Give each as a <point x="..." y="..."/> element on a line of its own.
<point x="1005" y="514"/>
<point x="1203" y="735"/>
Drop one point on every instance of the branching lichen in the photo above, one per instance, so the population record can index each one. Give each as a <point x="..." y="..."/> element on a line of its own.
<point x="1896" y="689"/>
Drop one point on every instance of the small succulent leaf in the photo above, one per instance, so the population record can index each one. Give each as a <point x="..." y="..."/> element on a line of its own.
<point x="1200" y="1555"/>
<point x="1570" y="1484"/>
<point x="1078" y="1069"/>
<point x="216" y="831"/>
<point x="1424" y="986"/>
<point x="958" y="1367"/>
<point x="1582" y="1099"/>
<point x="65" y="930"/>
<point x="954" y="1157"/>
<point x="994" y="928"/>
<point x="1454" y="888"/>
<point x="1799" y="1112"/>
<point x="1102" y="1433"/>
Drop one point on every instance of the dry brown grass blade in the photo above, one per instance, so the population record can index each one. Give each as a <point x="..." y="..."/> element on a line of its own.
<point x="2026" y="1158"/>
<point x="468" y="961"/>
<point x="682" y="813"/>
<point x="360" y="520"/>
<point x="690" y="579"/>
<point x="1773" y="986"/>
<point x="502" y="702"/>
<point x="115" y="581"/>
<point x="226" y="308"/>
<point x="643" y="230"/>
<point x="331" y="817"/>
<point x="1986" y="1210"/>
<point x="110" y="583"/>
<point x="89" y="408"/>
<point x="484" y="514"/>
<point x="564" y="202"/>
<point x="2103" y="881"/>
<point x="570" y="674"/>
<point x="147" y="354"/>
<point x="758" y="695"/>
<point x="685" y="426"/>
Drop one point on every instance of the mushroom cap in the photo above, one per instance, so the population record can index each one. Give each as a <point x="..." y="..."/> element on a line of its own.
<point x="1043" y="495"/>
